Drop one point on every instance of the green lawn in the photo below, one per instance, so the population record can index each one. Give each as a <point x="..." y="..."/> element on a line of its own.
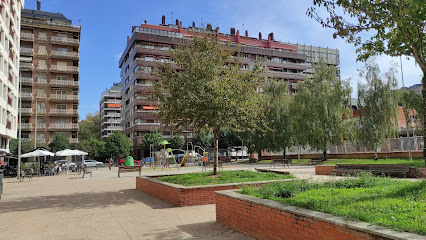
<point x="382" y="201"/>
<point x="414" y="162"/>
<point x="206" y="178"/>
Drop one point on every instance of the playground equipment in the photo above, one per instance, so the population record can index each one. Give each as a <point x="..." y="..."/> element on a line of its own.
<point x="190" y="155"/>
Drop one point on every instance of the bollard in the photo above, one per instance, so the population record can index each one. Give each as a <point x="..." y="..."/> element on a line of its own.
<point x="1" y="181"/>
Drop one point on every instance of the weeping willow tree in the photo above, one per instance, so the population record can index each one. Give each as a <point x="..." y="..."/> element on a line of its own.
<point x="378" y="106"/>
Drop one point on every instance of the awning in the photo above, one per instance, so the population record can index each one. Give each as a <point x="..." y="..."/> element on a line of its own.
<point x="149" y="108"/>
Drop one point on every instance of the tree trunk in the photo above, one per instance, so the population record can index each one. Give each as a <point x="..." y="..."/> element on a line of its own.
<point x="259" y="155"/>
<point x="408" y="134"/>
<point x="216" y="147"/>
<point x="325" y="155"/>
<point x="284" y="152"/>
<point x="424" y="113"/>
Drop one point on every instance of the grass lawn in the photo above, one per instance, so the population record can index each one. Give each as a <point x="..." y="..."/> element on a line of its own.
<point x="414" y="162"/>
<point x="396" y="204"/>
<point x="206" y="178"/>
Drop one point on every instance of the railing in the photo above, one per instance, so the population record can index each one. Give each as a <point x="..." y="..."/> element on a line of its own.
<point x="26" y="80"/>
<point x="42" y="67"/>
<point x="63" y="126"/>
<point x="113" y="121"/>
<point x="26" y="50"/>
<point x="27" y="36"/>
<point x="41" y="96"/>
<point x="42" y="52"/>
<point x="63" y="97"/>
<point x="41" y="125"/>
<point x="42" y="38"/>
<point x="26" y="95"/>
<point x="64" y="54"/>
<point x="63" y="68"/>
<point x="74" y="140"/>
<point x="64" y="111"/>
<point x="24" y="65"/>
<point x="113" y="128"/>
<point x="26" y="110"/>
<point x="59" y="24"/>
<point x="112" y="95"/>
<point x="112" y="115"/>
<point x="63" y="82"/>
<point x="64" y="40"/>
<point x="26" y="125"/>
<point x="41" y="81"/>
<point x="148" y="124"/>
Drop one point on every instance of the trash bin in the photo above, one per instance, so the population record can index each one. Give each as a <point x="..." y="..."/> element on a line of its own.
<point x="128" y="161"/>
<point x="1" y="181"/>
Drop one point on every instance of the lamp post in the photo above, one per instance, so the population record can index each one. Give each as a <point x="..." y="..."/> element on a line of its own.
<point x="18" y="174"/>
<point x="406" y="120"/>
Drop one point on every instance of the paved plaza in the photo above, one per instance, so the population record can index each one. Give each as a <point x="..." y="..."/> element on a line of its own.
<point x="107" y="207"/>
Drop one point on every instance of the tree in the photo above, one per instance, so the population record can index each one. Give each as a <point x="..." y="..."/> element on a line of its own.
<point x="26" y="146"/>
<point x="203" y="139"/>
<point x="177" y="141"/>
<point x="320" y="117"/>
<point x="378" y="106"/>
<point x="398" y="28"/>
<point x="228" y="138"/>
<point x="90" y="128"/>
<point x="59" y="142"/>
<point x="154" y="137"/>
<point x="93" y="146"/>
<point x="117" y="145"/>
<point x="208" y="90"/>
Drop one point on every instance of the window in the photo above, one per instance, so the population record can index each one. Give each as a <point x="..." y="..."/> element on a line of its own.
<point x="41" y="106"/>
<point x="61" y="78"/>
<point x="61" y="106"/>
<point x="61" y="121"/>
<point x="61" y="92"/>
<point x="62" y="50"/>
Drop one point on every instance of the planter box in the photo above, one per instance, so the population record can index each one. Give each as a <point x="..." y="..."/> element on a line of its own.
<point x="181" y="196"/>
<point x="267" y="219"/>
<point x="328" y="170"/>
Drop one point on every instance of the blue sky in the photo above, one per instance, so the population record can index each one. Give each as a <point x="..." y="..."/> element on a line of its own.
<point x="106" y="25"/>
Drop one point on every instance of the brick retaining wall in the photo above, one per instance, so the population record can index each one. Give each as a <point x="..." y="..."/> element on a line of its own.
<point x="266" y="219"/>
<point x="324" y="169"/>
<point x="181" y="196"/>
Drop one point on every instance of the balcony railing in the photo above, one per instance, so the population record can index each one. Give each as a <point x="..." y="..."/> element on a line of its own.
<point x="113" y="128"/>
<point x="63" y="82"/>
<point x="26" y="110"/>
<point x="26" y="95"/>
<point x="41" y="81"/>
<point x="42" y="67"/>
<point x="63" y="68"/>
<point x="63" y="97"/>
<point x="41" y="125"/>
<point x="41" y="96"/>
<point x="28" y="36"/>
<point x="64" y="111"/>
<point x="63" y="126"/>
<point x="26" y="125"/>
<point x="59" y="24"/>
<point x="42" y="52"/>
<point x="74" y="140"/>
<point x="25" y="65"/>
<point x="64" y="40"/>
<point x="62" y="54"/>
<point x="42" y="38"/>
<point x="28" y="51"/>
<point x="26" y="80"/>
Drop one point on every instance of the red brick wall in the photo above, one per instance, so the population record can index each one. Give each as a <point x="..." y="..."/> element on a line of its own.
<point x="324" y="170"/>
<point x="421" y="172"/>
<point x="262" y="222"/>
<point x="182" y="196"/>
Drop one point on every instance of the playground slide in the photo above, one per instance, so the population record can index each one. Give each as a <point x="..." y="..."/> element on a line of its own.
<point x="182" y="164"/>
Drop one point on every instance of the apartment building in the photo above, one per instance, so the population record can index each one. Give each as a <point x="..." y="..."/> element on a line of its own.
<point x="49" y="67"/>
<point x="314" y="54"/>
<point x="110" y="109"/>
<point x="148" y="46"/>
<point x="10" y="18"/>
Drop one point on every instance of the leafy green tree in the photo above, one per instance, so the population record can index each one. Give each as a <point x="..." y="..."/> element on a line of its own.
<point x="320" y="117"/>
<point x="208" y="91"/>
<point x="412" y="102"/>
<point x="177" y="141"/>
<point x="378" y="106"/>
<point x="154" y="137"/>
<point x="117" y="145"/>
<point x="94" y="147"/>
<point x="26" y="146"/>
<point x="203" y="139"/>
<point x="59" y="142"/>
<point x="90" y="127"/>
<point x="395" y="28"/>
<point x="228" y="138"/>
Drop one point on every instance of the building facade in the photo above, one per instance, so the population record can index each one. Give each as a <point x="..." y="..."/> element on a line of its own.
<point x="49" y="76"/>
<point x="148" y="46"/>
<point x="110" y="110"/>
<point x="315" y="54"/>
<point x="10" y="20"/>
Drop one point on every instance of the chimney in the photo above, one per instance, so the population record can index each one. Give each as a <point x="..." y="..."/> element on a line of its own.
<point x="272" y="36"/>
<point x="38" y="5"/>
<point x="193" y="24"/>
<point x="246" y="33"/>
<point x="145" y="21"/>
<point x="177" y="22"/>
<point x="128" y="39"/>
<point x="163" y="20"/>
<point x="260" y="36"/>
<point x="232" y="31"/>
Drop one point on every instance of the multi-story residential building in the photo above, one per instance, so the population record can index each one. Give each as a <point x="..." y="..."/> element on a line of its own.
<point x="49" y="75"/>
<point x="314" y="54"/>
<point x="110" y="109"/>
<point x="10" y="20"/>
<point x="149" y="45"/>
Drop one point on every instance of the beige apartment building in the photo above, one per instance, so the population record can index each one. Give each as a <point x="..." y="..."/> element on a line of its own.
<point x="110" y="109"/>
<point x="10" y="20"/>
<point x="315" y="54"/>
<point x="49" y="67"/>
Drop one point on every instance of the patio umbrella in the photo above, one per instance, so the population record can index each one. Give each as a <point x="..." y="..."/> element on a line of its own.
<point x="69" y="152"/>
<point x="38" y="153"/>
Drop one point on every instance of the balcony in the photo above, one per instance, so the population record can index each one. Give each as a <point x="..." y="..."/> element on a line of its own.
<point x="41" y="125"/>
<point x="66" y="69"/>
<point x="26" y="126"/>
<point x="26" y="80"/>
<point x="113" y="128"/>
<point x="8" y="124"/>
<point x="26" y="51"/>
<point x="26" y="66"/>
<point x="63" y="112"/>
<point x="63" y="126"/>
<point x="63" y="83"/>
<point x="26" y="111"/>
<point x="64" y="41"/>
<point x="41" y="96"/>
<point x="61" y="54"/>
<point x="74" y="140"/>
<point x="42" y="38"/>
<point x="42" y="67"/>
<point x="41" y="81"/>
<point x="9" y="101"/>
<point x="26" y="95"/>
<point x="50" y="23"/>
<point x="63" y="97"/>
<point x="27" y="36"/>
<point x="41" y="52"/>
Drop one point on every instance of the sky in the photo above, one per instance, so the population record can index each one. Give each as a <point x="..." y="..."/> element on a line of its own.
<point x="105" y="25"/>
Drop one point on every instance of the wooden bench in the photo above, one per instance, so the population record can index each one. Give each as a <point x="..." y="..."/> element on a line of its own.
<point x="281" y="161"/>
<point x="137" y="168"/>
<point x="219" y="165"/>
<point x="393" y="170"/>
<point x="252" y="161"/>
<point x="271" y="170"/>
<point x="315" y="161"/>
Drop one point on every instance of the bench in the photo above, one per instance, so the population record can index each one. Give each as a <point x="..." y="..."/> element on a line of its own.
<point x="137" y="168"/>
<point x="271" y="171"/>
<point x="315" y="161"/>
<point x="206" y="163"/>
<point x="281" y="161"/>
<point x="225" y="159"/>
<point x="393" y="170"/>
<point x="252" y="161"/>
<point x="86" y="170"/>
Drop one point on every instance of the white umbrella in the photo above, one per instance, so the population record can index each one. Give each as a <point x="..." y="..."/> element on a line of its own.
<point x="37" y="153"/>
<point x="81" y="152"/>
<point x="69" y="152"/>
